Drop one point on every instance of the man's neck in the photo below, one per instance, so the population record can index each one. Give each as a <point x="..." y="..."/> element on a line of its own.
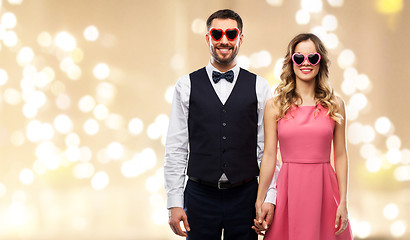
<point x="223" y="67"/>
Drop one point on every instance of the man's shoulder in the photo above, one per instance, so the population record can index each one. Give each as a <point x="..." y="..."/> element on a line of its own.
<point x="243" y="70"/>
<point x="198" y="71"/>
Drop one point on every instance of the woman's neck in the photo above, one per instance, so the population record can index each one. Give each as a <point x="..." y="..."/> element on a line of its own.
<point x="306" y="90"/>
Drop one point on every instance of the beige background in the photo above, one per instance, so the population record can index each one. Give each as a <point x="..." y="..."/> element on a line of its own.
<point x="147" y="46"/>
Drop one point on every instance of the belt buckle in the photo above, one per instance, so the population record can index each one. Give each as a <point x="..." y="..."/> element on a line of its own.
<point x="222" y="187"/>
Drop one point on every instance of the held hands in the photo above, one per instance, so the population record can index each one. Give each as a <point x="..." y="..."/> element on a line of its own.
<point x="176" y="215"/>
<point x="264" y="217"/>
<point x="341" y="218"/>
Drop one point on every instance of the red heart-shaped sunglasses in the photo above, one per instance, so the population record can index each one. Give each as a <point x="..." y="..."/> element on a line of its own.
<point x="230" y="33"/>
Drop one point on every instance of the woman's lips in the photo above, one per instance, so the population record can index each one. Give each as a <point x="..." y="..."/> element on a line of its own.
<point x="306" y="70"/>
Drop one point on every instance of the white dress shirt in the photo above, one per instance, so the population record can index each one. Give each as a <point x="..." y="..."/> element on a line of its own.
<point x="177" y="142"/>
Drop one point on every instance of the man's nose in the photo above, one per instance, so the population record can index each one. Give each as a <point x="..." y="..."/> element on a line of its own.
<point x="224" y="39"/>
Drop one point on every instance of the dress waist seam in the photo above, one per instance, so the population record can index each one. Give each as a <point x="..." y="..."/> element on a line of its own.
<point x="305" y="161"/>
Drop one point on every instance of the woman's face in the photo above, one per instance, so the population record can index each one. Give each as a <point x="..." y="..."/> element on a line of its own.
<point x="306" y="71"/>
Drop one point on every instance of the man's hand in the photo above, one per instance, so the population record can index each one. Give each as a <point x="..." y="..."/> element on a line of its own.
<point x="264" y="217"/>
<point x="176" y="215"/>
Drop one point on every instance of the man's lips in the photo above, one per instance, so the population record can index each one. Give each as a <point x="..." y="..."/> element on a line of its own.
<point x="224" y="50"/>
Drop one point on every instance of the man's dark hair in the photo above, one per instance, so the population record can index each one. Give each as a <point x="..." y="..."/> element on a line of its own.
<point x="225" y="14"/>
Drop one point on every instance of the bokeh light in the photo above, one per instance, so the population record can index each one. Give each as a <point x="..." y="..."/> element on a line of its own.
<point x="394" y="156"/>
<point x="105" y="92"/>
<point x="10" y="39"/>
<point x="390" y="211"/>
<point x="100" y="112"/>
<point x="115" y="150"/>
<point x="178" y="62"/>
<point x="302" y="17"/>
<point x="363" y="229"/>
<point x="91" y="33"/>
<point x="3" y="190"/>
<point x="329" y="22"/>
<point x="336" y="3"/>
<point x="63" y="124"/>
<point x="26" y="176"/>
<point x="244" y="62"/>
<point x="83" y="170"/>
<point x="368" y="150"/>
<point x="275" y="3"/>
<point x="373" y="164"/>
<point x="65" y="41"/>
<point x="45" y="39"/>
<point x="389" y="6"/>
<point x="383" y="125"/>
<point x="260" y="59"/>
<point x="8" y="20"/>
<point x="402" y="173"/>
<point x="72" y="139"/>
<point x="393" y="142"/>
<point x="398" y="228"/>
<point x="100" y="180"/>
<point x="15" y="2"/>
<point x="25" y="56"/>
<point x="198" y="26"/>
<point x="86" y="103"/>
<point x="63" y="101"/>
<point x="346" y="58"/>
<point x="101" y="71"/>
<point x="169" y="94"/>
<point x="331" y="41"/>
<point x="313" y="6"/>
<point x="91" y="126"/>
<point x="85" y="111"/>
<point x="135" y="126"/>
<point x="3" y="77"/>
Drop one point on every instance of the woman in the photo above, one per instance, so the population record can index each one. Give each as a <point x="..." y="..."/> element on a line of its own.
<point x="305" y="117"/>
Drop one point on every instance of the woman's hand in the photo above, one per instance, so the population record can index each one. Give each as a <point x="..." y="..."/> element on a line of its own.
<point x="264" y="216"/>
<point x="341" y="218"/>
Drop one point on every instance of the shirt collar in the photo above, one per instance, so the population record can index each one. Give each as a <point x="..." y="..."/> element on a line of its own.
<point x="210" y="68"/>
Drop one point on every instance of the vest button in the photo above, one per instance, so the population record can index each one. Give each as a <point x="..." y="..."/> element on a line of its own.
<point x="224" y="124"/>
<point x="223" y="150"/>
<point x="224" y="110"/>
<point x="224" y="137"/>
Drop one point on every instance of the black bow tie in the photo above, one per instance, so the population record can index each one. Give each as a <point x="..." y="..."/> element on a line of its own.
<point x="228" y="76"/>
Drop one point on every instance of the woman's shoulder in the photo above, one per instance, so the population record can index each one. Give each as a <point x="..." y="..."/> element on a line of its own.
<point x="339" y="102"/>
<point x="340" y="106"/>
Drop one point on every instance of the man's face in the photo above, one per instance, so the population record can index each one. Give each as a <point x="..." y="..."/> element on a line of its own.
<point x="224" y="51"/>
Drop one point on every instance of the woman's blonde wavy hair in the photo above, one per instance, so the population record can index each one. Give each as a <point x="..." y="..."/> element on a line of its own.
<point x="286" y="95"/>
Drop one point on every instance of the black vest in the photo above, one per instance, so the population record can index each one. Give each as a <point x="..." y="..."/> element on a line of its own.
<point x="223" y="138"/>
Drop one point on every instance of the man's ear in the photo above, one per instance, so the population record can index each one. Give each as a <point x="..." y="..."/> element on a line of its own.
<point x="241" y="39"/>
<point x="207" y="39"/>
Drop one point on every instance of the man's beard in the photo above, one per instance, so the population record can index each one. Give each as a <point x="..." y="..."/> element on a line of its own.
<point x="227" y="60"/>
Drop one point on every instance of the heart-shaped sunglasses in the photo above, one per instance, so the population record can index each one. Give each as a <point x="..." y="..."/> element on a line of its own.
<point x="299" y="58"/>
<point x="231" y="33"/>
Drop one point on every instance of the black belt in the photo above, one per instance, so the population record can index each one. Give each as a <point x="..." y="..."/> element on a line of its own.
<point x="222" y="185"/>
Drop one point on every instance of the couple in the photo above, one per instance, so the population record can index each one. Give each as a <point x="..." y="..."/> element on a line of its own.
<point x="225" y="121"/>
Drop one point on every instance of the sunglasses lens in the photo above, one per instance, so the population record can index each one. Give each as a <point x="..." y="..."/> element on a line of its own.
<point x="216" y="34"/>
<point x="314" y="58"/>
<point x="231" y="34"/>
<point x="298" y="58"/>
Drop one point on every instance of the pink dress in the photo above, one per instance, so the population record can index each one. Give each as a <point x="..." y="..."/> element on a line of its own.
<point x="308" y="193"/>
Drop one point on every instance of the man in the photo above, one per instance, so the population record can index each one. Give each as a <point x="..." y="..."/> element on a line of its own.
<point x="217" y="113"/>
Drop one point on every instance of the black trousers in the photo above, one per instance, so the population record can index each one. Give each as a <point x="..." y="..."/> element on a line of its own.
<point x="209" y="210"/>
